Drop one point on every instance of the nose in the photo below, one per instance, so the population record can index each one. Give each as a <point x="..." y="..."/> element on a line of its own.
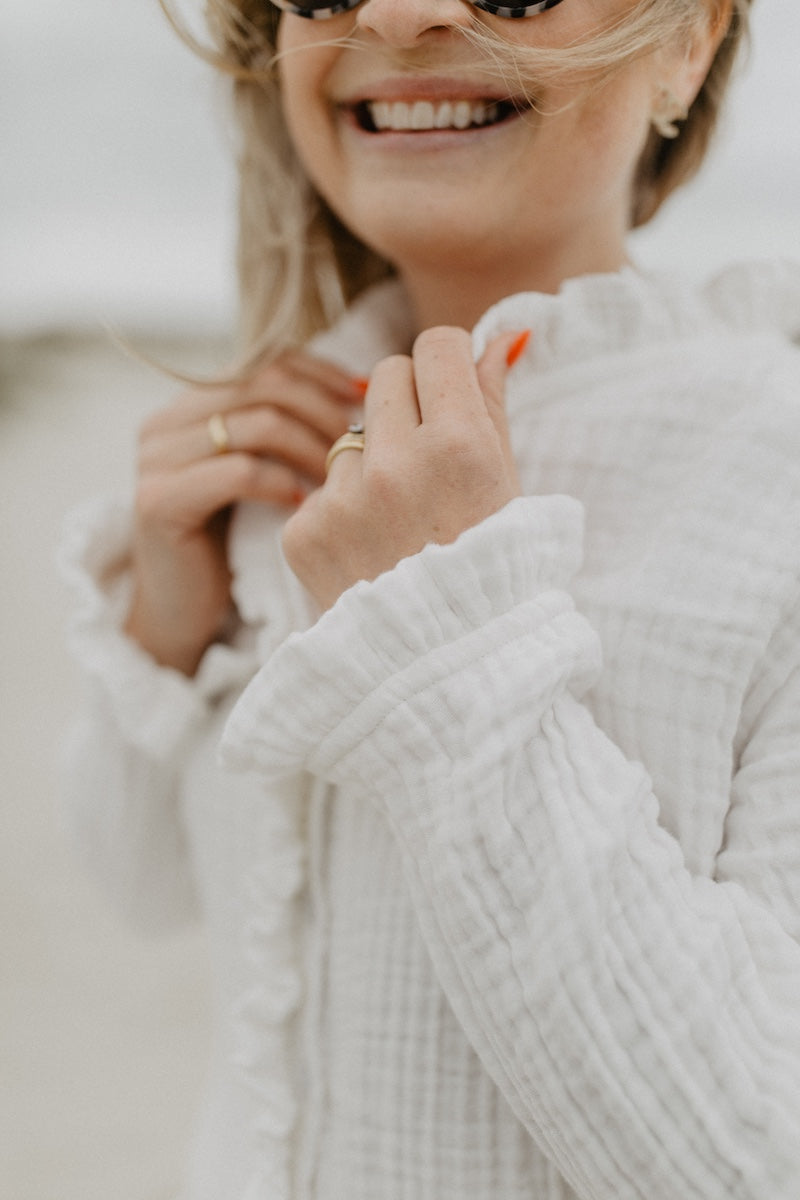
<point x="401" y="23"/>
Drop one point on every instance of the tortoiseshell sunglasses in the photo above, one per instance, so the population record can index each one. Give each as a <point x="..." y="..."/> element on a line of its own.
<point x="318" y="10"/>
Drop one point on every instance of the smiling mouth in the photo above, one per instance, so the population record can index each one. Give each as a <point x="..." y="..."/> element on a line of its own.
<point x="422" y="116"/>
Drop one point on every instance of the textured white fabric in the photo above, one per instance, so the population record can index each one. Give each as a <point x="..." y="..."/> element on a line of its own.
<point x="504" y="889"/>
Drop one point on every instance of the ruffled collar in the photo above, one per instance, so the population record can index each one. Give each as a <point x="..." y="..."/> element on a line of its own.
<point x="629" y="310"/>
<point x="591" y="316"/>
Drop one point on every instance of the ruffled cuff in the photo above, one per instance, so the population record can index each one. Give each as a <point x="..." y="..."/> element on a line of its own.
<point x="153" y="706"/>
<point x="494" y="595"/>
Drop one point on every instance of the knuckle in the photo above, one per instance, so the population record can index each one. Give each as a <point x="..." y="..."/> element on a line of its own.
<point x="299" y="537"/>
<point x="192" y="402"/>
<point x="391" y="366"/>
<point x="383" y="479"/>
<point x="243" y="471"/>
<point x="336" y="513"/>
<point x="148" y="500"/>
<point x="439" y="336"/>
<point x="460" y="459"/>
<point x="271" y="423"/>
<point x="269" y="377"/>
<point x="453" y="440"/>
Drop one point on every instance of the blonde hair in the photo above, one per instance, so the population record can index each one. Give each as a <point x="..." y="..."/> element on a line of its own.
<point x="298" y="265"/>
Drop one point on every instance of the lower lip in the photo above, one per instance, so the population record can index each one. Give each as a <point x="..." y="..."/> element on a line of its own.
<point x="425" y="139"/>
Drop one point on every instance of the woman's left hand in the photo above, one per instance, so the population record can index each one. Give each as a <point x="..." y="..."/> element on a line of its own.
<point x="436" y="461"/>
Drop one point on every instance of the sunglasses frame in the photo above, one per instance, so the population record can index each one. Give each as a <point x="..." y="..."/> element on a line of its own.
<point x="514" y="11"/>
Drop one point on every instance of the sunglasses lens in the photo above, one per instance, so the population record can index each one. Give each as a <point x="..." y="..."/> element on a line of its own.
<point x="515" y="10"/>
<point x="319" y="9"/>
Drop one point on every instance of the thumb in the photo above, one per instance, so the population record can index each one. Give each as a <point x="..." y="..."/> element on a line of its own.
<point x="497" y="359"/>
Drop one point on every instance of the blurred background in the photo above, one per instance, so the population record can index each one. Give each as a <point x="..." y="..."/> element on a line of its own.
<point x="116" y="208"/>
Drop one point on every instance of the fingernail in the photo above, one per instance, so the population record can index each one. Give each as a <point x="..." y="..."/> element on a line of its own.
<point x="360" y="383"/>
<point x="517" y="347"/>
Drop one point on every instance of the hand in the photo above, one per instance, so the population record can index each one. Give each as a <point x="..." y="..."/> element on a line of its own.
<point x="436" y="461"/>
<point x="281" y="424"/>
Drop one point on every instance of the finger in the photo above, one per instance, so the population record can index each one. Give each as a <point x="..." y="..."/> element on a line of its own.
<point x="327" y="374"/>
<point x="345" y="467"/>
<point x="191" y="415"/>
<point x="306" y="394"/>
<point x="264" y="431"/>
<point x="302" y="398"/>
<point x="391" y="411"/>
<point x="187" y="500"/>
<point x="496" y="361"/>
<point x="445" y="374"/>
<point x="326" y="417"/>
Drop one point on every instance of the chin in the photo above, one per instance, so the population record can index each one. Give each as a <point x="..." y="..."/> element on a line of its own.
<point x="406" y="225"/>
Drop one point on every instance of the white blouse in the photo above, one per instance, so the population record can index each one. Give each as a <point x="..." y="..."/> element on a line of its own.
<point x="500" y="857"/>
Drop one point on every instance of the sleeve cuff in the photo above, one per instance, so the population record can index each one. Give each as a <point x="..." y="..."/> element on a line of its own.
<point x="153" y="706"/>
<point x="389" y="643"/>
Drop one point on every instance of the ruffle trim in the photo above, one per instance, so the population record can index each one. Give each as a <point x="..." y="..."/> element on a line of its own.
<point x="153" y="706"/>
<point x="267" y="593"/>
<point x="597" y="315"/>
<point x="262" y="1053"/>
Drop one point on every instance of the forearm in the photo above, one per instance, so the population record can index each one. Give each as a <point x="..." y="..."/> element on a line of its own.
<point x="642" y="1023"/>
<point x="639" y="1020"/>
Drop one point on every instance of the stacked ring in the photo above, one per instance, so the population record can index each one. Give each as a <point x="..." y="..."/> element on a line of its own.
<point x="218" y="434"/>
<point x="352" y="440"/>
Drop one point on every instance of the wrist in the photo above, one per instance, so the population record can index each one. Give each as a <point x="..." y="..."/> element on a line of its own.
<point x="169" y="642"/>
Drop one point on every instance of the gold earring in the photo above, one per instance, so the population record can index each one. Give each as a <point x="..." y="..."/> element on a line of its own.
<point x="669" y="110"/>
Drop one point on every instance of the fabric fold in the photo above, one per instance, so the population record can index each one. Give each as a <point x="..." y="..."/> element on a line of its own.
<point x="272" y="995"/>
<point x="497" y="586"/>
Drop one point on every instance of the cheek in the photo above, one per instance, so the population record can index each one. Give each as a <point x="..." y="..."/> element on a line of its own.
<point x="302" y="69"/>
<point x="303" y="115"/>
<point x="567" y="24"/>
<point x="611" y="127"/>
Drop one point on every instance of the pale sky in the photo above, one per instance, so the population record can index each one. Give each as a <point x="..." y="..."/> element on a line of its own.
<point x="116" y="189"/>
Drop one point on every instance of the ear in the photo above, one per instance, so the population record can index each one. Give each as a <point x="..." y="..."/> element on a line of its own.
<point x="686" y="67"/>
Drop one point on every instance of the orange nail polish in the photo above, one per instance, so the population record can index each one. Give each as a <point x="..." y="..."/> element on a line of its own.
<point x="361" y="383"/>
<point x="517" y="347"/>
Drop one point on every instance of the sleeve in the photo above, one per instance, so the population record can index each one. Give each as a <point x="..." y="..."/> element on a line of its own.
<point x="123" y="757"/>
<point x="641" y="1021"/>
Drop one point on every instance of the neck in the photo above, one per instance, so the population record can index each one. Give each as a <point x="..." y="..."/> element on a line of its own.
<point x="448" y="294"/>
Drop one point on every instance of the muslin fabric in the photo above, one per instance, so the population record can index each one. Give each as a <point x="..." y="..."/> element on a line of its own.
<point x="499" y="857"/>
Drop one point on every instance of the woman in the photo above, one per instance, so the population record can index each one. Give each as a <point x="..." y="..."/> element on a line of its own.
<point x="501" y="860"/>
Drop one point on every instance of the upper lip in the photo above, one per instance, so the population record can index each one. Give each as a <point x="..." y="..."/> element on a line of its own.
<point x="425" y="87"/>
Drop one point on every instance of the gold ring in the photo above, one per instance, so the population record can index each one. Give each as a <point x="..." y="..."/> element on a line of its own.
<point x="348" y="441"/>
<point x="218" y="434"/>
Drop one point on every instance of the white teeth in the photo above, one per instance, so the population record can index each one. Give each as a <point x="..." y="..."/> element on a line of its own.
<point x="424" y="114"/>
<point x="401" y="116"/>
<point x="462" y="114"/>
<point x="381" y="114"/>
<point x="444" y="116"/>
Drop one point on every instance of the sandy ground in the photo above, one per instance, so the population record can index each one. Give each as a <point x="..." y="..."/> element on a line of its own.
<point x="102" y="1035"/>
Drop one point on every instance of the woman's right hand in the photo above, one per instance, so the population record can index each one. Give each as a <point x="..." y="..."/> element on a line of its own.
<point x="280" y="424"/>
